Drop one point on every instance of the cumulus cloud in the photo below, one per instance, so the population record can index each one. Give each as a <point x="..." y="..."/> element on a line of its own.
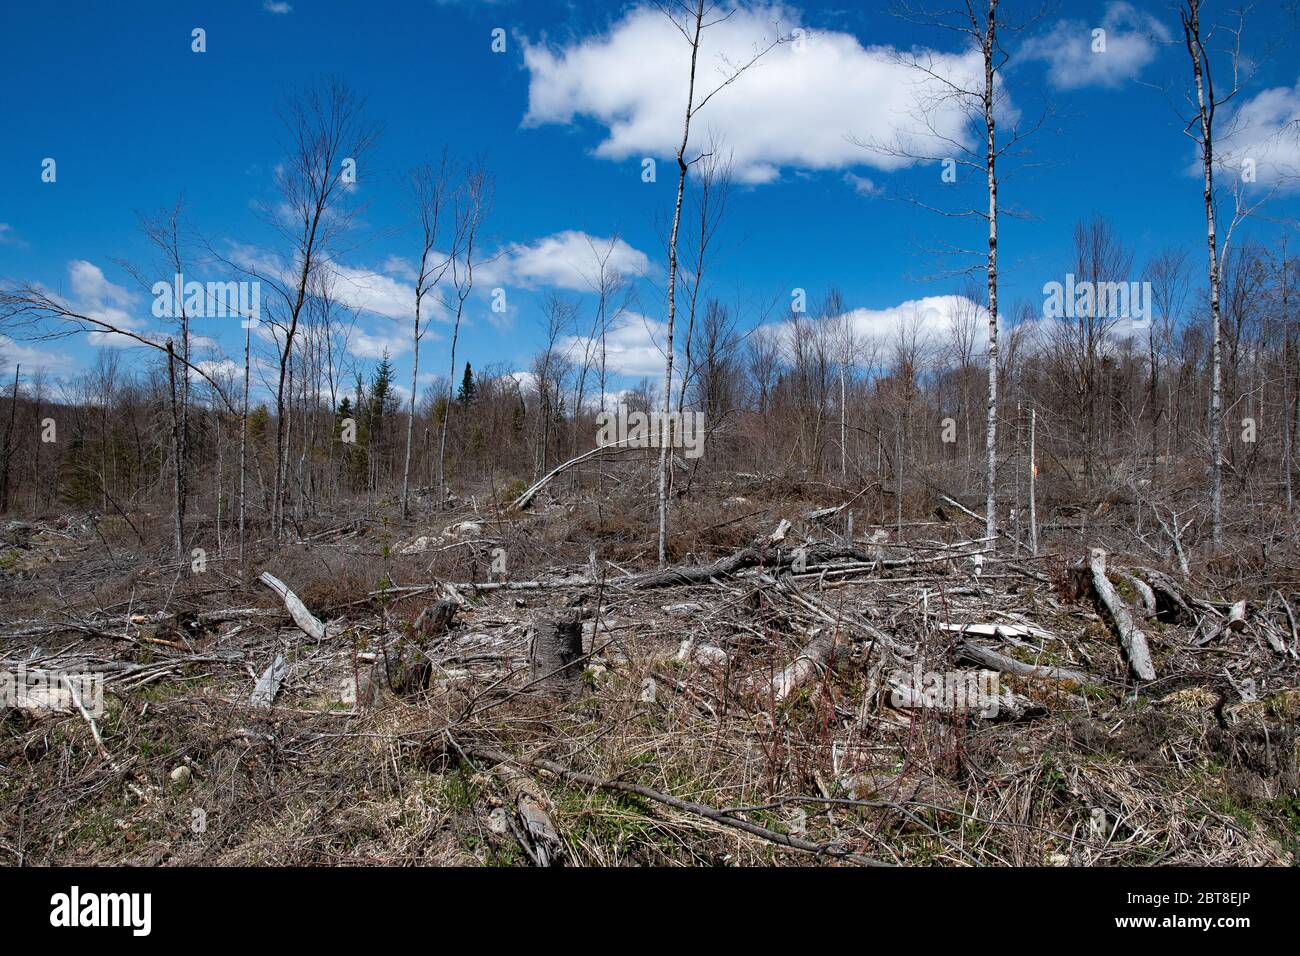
<point x="90" y="285"/>
<point x="634" y="348"/>
<point x="1265" y="130"/>
<point x="276" y="6"/>
<point x="566" y="260"/>
<point x="1132" y="39"/>
<point x="929" y="318"/>
<point x="394" y="340"/>
<point x="220" y="369"/>
<point x="31" y="357"/>
<point x="98" y="298"/>
<point x="373" y="291"/>
<point x="796" y="107"/>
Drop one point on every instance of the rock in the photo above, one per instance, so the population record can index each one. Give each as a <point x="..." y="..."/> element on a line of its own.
<point x="465" y="529"/>
<point x="180" y="777"/>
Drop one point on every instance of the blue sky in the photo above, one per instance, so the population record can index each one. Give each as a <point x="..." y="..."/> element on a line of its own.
<point x="133" y="118"/>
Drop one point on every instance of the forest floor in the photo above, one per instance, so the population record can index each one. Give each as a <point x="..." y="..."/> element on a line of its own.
<point x="760" y="703"/>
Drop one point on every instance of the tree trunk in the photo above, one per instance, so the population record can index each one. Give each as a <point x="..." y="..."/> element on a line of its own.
<point x="410" y="421"/>
<point x="243" y="456"/>
<point x="990" y="514"/>
<point x="556" y="645"/>
<point x="664" y="451"/>
<point x="1033" y="481"/>
<point x="8" y="446"/>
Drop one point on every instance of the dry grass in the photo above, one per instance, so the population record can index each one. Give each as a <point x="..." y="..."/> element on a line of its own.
<point x="1182" y="774"/>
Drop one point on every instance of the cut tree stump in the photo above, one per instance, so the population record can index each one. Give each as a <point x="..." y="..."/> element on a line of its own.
<point x="436" y="620"/>
<point x="556" y="646"/>
<point x="1131" y="637"/>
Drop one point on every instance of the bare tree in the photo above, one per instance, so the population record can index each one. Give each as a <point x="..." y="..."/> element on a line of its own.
<point x="1202" y="130"/>
<point x="689" y="20"/>
<point x="473" y="199"/>
<point x="981" y="100"/>
<point x="429" y="186"/>
<point x="329" y="139"/>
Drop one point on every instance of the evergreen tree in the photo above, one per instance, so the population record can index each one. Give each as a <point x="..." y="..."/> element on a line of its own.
<point x="468" y="390"/>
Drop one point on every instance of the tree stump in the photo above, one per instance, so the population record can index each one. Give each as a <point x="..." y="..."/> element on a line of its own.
<point x="435" y="621"/>
<point x="556" y="645"/>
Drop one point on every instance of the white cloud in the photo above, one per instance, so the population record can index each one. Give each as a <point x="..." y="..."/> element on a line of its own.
<point x="1132" y="39"/>
<point x="1266" y="130"/>
<point x="32" y="358"/>
<point x="372" y="291"/>
<point x="277" y="6"/>
<point x="862" y="185"/>
<point x="526" y="381"/>
<point x="565" y="260"/>
<point x="634" y="348"/>
<point x="98" y="298"/>
<point x="225" y="368"/>
<point x="930" y="318"/>
<point x="796" y="107"/>
<point x="394" y="340"/>
<point x="90" y="285"/>
<point x="7" y="237"/>
<point x="402" y="268"/>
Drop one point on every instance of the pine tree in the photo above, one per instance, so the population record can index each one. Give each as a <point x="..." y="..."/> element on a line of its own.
<point x="468" y="390"/>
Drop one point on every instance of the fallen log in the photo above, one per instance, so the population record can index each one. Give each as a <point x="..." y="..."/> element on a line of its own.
<point x="813" y="659"/>
<point x="1143" y="590"/>
<point x="779" y="532"/>
<point x="1131" y="637"/>
<point x="1009" y="665"/>
<point x="742" y="560"/>
<point x="1171" y="602"/>
<point x="539" y="837"/>
<point x="959" y="693"/>
<point x="269" y="683"/>
<point x="307" y="622"/>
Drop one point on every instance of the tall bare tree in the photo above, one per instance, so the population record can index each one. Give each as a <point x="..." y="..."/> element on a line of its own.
<point x="429" y="186"/>
<point x="690" y="20"/>
<point x="472" y="202"/>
